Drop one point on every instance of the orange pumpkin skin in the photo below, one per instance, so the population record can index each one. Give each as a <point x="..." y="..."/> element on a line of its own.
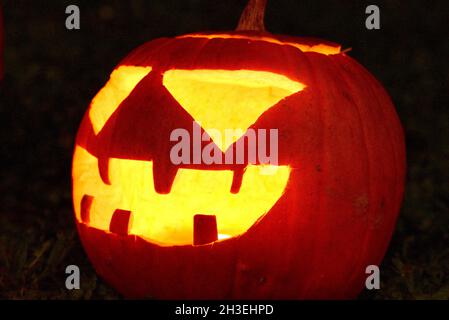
<point x="344" y="143"/>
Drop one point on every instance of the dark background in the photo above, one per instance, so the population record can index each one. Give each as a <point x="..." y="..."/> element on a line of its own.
<point x="51" y="74"/>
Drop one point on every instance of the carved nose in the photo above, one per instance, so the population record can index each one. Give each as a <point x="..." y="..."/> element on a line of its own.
<point x="204" y="229"/>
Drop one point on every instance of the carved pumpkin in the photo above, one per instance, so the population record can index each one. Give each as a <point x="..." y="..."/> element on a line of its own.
<point x="306" y="227"/>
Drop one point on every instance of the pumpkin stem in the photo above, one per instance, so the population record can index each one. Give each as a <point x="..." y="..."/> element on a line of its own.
<point x="252" y="18"/>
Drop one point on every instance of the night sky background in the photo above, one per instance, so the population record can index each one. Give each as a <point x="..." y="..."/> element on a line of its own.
<point x="51" y="74"/>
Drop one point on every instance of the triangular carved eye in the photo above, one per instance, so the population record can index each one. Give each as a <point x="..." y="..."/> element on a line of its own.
<point x="227" y="99"/>
<point x="121" y="82"/>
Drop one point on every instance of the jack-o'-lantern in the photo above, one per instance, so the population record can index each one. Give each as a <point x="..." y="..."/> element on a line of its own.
<point x="304" y="226"/>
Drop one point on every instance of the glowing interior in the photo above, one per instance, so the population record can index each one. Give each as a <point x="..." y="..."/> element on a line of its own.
<point x="225" y="99"/>
<point x="121" y="82"/>
<point x="218" y="100"/>
<point x="167" y="219"/>
<point x="319" y="48"/>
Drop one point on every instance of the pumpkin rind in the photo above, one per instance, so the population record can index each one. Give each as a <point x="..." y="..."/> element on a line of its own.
<point x="344" y="143"/>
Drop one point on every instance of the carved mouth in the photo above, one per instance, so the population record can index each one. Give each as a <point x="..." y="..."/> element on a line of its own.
<point x="130" y="204"/>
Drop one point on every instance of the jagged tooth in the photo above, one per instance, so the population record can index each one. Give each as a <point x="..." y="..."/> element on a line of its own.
<point x="204" y="229"/>
<point x="86" y="205"/>
<point x="103" y="169"/>
<point x="120" y="222"/>
<point x="237" y="180"/>
<point x="164" y="174"/>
